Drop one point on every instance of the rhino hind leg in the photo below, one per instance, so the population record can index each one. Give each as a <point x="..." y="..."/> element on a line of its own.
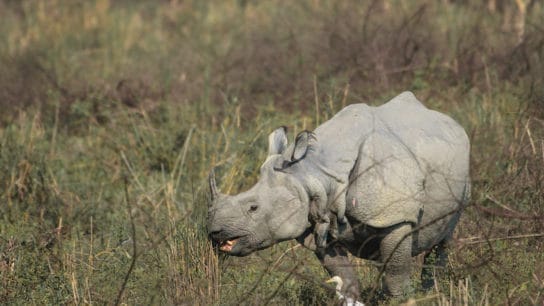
<point x="437" y="257"/>
<point x="396" y="255"/>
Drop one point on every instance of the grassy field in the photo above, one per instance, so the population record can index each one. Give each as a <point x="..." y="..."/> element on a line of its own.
<point x="113" y="112"/>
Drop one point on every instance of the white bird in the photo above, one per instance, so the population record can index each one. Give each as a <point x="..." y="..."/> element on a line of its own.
<point x="347" y="300"/>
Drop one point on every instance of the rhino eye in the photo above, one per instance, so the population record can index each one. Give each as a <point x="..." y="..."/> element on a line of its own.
<point x="253" y="208"/>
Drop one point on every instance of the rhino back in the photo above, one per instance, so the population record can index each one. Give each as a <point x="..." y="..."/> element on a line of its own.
<point x="404" y="120"/>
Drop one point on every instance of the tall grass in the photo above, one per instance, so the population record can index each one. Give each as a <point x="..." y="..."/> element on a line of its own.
<point x="113" y="112"/>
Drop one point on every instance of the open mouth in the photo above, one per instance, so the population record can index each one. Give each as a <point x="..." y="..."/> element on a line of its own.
<point x="227" y="245"/>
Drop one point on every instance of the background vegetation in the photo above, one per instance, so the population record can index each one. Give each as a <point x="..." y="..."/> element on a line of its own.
<point x="113" y="112"/>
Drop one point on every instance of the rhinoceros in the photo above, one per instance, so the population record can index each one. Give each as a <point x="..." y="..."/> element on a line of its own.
<point x="383" y="183"/>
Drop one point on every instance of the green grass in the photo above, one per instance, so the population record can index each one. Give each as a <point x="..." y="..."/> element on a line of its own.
<point x="113" y="112"/>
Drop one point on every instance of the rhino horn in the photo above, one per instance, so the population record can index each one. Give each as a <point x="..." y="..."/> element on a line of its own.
<point x="213" y="186"/>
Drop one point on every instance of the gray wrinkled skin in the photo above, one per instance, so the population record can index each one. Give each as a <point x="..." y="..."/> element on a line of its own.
<point x="382" y="183"/>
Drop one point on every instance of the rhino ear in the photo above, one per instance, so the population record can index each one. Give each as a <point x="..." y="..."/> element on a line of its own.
<point x="302" y="144"/>
<point x="277" y="141"/>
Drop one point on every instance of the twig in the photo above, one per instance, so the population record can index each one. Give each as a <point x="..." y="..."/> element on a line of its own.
<point x="316" y="102"/>
<point x="527" y="129"/>
<point x="346" y="93"/>
<point x="426" y="298"/>
<point x="134" y="253"/>
<point x="133" y="173"/>
<point x="285" y="253"/>
<point x="129" y="167"/>
<point x="507" y="212"/>
<point x="55" y="130"/>
<point x="180" y="161"/>
<point x="495" y="201"/>
<point x="470" y="240"/>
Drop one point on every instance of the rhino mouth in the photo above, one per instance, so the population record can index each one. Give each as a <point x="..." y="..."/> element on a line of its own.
<point x="227" y="245"/>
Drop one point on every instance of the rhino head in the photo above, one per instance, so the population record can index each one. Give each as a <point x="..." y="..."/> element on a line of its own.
<point x="275" y="209"/>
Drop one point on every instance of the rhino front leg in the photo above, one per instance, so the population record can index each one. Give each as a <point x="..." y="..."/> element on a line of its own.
<point x="319" y="214"/>
<point x="396" y="255"/>
<point x="336" y="262"/>
<point x="339" y="207"/>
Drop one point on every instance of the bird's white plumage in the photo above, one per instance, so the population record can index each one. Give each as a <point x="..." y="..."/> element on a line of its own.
<point x="347" y="300"/>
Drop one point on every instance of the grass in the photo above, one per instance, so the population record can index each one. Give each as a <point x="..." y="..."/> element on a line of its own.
<point x="113" y="112"/>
